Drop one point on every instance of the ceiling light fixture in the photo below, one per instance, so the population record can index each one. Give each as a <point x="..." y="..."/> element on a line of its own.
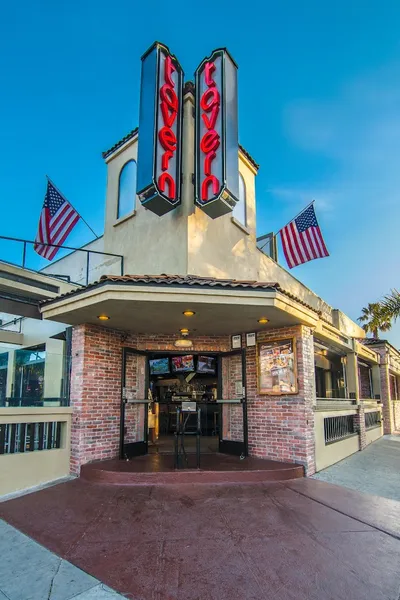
<point x="189" y="313"/>
<point x="184" y="331"/>
<point x="183" y="343"/>
<point x="103" y="318"/>
<point x="263" y="320"/>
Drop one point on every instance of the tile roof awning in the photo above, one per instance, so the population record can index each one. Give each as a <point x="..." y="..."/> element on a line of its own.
<point x="187" y="281"/>
<point x="156" y="303"/>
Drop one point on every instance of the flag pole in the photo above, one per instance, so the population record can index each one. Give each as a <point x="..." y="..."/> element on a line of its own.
<point x="80" y="216"/>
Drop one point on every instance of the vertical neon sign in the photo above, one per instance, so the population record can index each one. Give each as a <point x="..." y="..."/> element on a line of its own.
<point x="217" y="169"/>
<point x="160" y="131"/>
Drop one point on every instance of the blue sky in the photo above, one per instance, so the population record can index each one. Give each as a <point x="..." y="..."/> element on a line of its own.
<point x="319" y="97"/>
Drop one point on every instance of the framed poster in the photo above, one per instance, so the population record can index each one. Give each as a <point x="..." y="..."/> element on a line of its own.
<point x="277" y="367"/>
<point x="250" y="339"/>
<point x="237" y="341"/>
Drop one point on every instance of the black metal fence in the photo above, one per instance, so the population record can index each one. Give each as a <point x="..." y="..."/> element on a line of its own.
<point x="28" y="437"/>
<point x="25" y="244"/>
<point x="372" y="419"/>
<point x="338" y="428"/>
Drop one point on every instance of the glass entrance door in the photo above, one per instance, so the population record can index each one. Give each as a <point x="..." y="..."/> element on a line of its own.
<point x="233" y="405"/>
<point x="134" y="404"/>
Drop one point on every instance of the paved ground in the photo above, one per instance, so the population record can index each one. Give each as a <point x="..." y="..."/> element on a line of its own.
<point x="30" y="572"/>
<point x="376" y="470"/>
<point x="277" y="541"/>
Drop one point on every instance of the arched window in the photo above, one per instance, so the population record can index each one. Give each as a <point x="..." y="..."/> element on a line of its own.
<point x="239" y="212"/>
<point x="127" y="189"/>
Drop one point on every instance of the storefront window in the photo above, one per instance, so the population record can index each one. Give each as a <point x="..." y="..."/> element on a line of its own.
<point x="29" y="375"/>
<point x="329" y="373"/>
<point x="3" y="377"/>
<point x="239" y="212"/>
<point x="127" y="189"/>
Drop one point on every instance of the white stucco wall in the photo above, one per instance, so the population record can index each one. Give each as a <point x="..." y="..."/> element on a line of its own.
<point x="74" y="265"/>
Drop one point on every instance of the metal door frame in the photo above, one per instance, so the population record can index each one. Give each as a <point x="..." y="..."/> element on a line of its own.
<point x="142" y="447"/>
<point x="229" y="446"/>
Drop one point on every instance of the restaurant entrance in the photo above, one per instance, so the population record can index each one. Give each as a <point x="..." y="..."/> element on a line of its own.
<point x="154" y="386"/>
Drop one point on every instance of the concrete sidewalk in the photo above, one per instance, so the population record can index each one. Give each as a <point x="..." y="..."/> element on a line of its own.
<point x="375" y="470"/>
<point x="28" y="571"/>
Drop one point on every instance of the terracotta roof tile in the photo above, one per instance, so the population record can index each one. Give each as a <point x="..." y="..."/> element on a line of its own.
<point x="189" y="280"/>
<point x="249" y="157"/>
<point x="184" y="280"/>
<point x="121" y="142"/>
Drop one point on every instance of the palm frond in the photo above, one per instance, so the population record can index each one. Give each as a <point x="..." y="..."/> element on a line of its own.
<point x="391" y="305"/>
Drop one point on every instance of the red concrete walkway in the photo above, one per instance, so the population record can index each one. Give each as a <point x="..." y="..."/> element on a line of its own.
<point x="220" y="542"/>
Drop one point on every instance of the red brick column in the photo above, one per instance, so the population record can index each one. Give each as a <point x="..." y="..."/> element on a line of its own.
<point x="386" y="392"/>
<point x="359" y="421"/>
<point x="95" y="394"/>
<point x="282" y="427"/>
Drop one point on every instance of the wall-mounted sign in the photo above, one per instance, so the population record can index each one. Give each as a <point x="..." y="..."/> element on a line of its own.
<point x="250" y="339"/>
<point x="217" y="170"/>
<point x="236" y="341"/>
<point x="277" y="369"/>
<point x="160" y="131"/>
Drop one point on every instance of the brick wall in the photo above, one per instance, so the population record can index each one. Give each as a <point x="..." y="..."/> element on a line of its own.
<point x="359" y="422"/>
<point x="95" y="394"/>
<point x="387" y="390"/>
<point x="282" y="427"/>
<point x="364" y="382"/>
<point x="396" y="415"/>
<point x="96" y="387"/>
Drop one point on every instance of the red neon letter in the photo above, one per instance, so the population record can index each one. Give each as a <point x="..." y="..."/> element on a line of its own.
<point x="165" y="160"/>
<point x="209" y="70"/>
<point x="211" y="179"/>
<point x="209" y="99"/>
<point x="167" y="179"/>
<point x="167" y="139"/>
<point x="168" y="70"/>
<point x="210" y="122"/>
<point x="207" y="162"/>
<point x="169" y="104"/>
<point x="209" y="141"/>
<point x="168" y="95"/>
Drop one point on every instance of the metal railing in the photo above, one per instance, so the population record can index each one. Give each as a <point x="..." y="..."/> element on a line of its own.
<point x="372" y="419"/>
<point x="66" y="278"/>
<point x="28" y="437"/>
<point x="14" y="325"/>
<point x="338" y="428"/>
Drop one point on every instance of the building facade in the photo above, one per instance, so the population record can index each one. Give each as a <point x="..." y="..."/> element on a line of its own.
<point x="177" y="307"/>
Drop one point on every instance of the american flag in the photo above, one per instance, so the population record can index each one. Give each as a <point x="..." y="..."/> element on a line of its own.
<point x="57" y="219"/>
<point x="302" y="239"/>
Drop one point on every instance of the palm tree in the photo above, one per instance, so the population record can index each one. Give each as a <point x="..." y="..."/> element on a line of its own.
<point x="376" y="318"/>
<point x="391" y="305"/>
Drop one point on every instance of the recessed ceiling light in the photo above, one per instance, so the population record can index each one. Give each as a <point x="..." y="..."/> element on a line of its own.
<point x="103" y="318"/>
<point x="189" y="313"/>
<point x="263" y="320"/>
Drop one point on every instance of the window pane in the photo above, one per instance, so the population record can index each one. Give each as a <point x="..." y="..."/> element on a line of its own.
<point x="127" y="189"/>
<point x="239" y="212"/>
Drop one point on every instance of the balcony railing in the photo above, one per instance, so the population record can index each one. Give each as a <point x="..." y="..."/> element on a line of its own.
<point x="23" y="245"/>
